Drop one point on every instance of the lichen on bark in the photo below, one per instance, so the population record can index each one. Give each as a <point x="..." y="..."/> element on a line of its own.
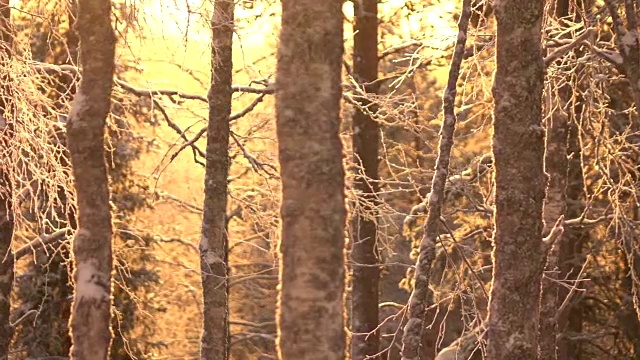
<point x="518" y="148"/>
<point x="214" y="242"/>
<point x="310" y="312"/>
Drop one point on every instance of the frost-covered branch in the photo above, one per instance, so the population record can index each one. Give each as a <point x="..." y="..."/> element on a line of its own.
<point x="418" y="302"/>
<point x="40" y="242"/>
<point x="567" y="48"/>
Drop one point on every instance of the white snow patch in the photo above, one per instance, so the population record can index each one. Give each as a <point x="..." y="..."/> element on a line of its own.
<point x="78" y="106"/>
<point x="91" y="283"/>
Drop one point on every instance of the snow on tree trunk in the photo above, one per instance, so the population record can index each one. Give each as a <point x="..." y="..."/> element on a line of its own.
<point x="90" y="324"/>
<point x="365" y="274"/>
<point x="518" y="148"/>
<point x="310" y="314"/>
<point x="7" y="259"/>
<point x="214" y="242"/>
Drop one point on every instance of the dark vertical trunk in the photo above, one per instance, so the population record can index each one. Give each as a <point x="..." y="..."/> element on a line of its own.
<point x="556" y="165"/>
<point x="518" y="149"/>
<point x="364" y="253"/>
<point x="90" y="323"/>
<point x="308" y="90"/>
<point x="6" y="217"/>
<point x="555" y="205"/>
<point x="571" y="254"/>
<point x="214" y="242"/>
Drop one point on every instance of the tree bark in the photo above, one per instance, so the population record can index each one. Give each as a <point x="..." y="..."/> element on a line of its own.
<point x="7" y="225"/>
<point x="518" y="148"/>
<point x="90" y="324"/>
<point x="365" y="275"/>
<point x="419" y="301"/>
<point x="214" y="242"/>
<point x="571" y="254"/>
<point x="310" y="314"/>
<point x="555" y="205"/>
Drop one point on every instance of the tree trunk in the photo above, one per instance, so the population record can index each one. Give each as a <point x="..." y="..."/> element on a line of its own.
<point x="91" y="311"/>
<point x="571" y="255"/>
<point x="7" y="225"/>
<point x="556" y="166"/>
<point x="308" y="90"/>
<point x="365" y="276"/>
<point x="214" y="242"/>
<point x="518" y="148"/>
<point x="412" y="338"/>
<point x="555" y="205"/>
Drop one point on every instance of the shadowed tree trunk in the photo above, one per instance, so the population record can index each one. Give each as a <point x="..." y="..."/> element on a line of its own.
<point x="518" y="148"/>
<point x="214" y="241"/>
<point x="91" y="310"/>
<point x="571" y="256"/>
<point x="364" y="253"/>
<point x="556" y="166"/>
<point x="7" y="259"/>
<point x="555" y="205"/>
<point x="308" y="90"/>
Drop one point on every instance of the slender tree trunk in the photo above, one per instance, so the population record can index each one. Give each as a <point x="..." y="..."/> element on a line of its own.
<point x="214" y="242"/>
<point x="555" y="205"/>
<point x="419" y="300"/>
<point x="364" y="253"/>
<point x="310" y="313"/>
<point x="571" y="256"/>
<point x="556" y="165"/>
<point x="7" y="259"/>
<point x="90" y="323"/>
<point x="518" y="148"/>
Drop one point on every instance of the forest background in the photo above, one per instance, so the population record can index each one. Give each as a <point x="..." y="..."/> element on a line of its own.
<point x="156" y="153"/>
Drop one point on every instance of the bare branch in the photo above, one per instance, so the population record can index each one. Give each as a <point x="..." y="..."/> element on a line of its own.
<point x="565" y="49"/>
<point x="41" y="242"/>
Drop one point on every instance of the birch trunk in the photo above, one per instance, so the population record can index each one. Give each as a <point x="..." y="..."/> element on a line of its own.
<point x="214" y="242"/>
<point x="365" y="275"/>
<point x="310" y="313"/>
<point x="518" y="148"/>
<point x="90" y="324"/>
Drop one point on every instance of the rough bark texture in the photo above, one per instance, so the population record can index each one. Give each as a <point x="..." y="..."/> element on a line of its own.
<point x="91" y="310"/>
<point x="310" y="313"/>
<point x="571" y="254"/>
<point x="364" y="253"/>
<point x="214" y="241"/>
<point x="518" y="148"/>
<point x="6" y="217"/>
<point x="556" y="166"/>
<point x="418" y="302"/>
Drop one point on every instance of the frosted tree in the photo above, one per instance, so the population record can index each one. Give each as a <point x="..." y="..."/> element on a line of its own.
<point x="519" y="253"/>
<point x="91" y="311"/>
<point x="214" y="242"/>
<point x="310" y="315"/>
